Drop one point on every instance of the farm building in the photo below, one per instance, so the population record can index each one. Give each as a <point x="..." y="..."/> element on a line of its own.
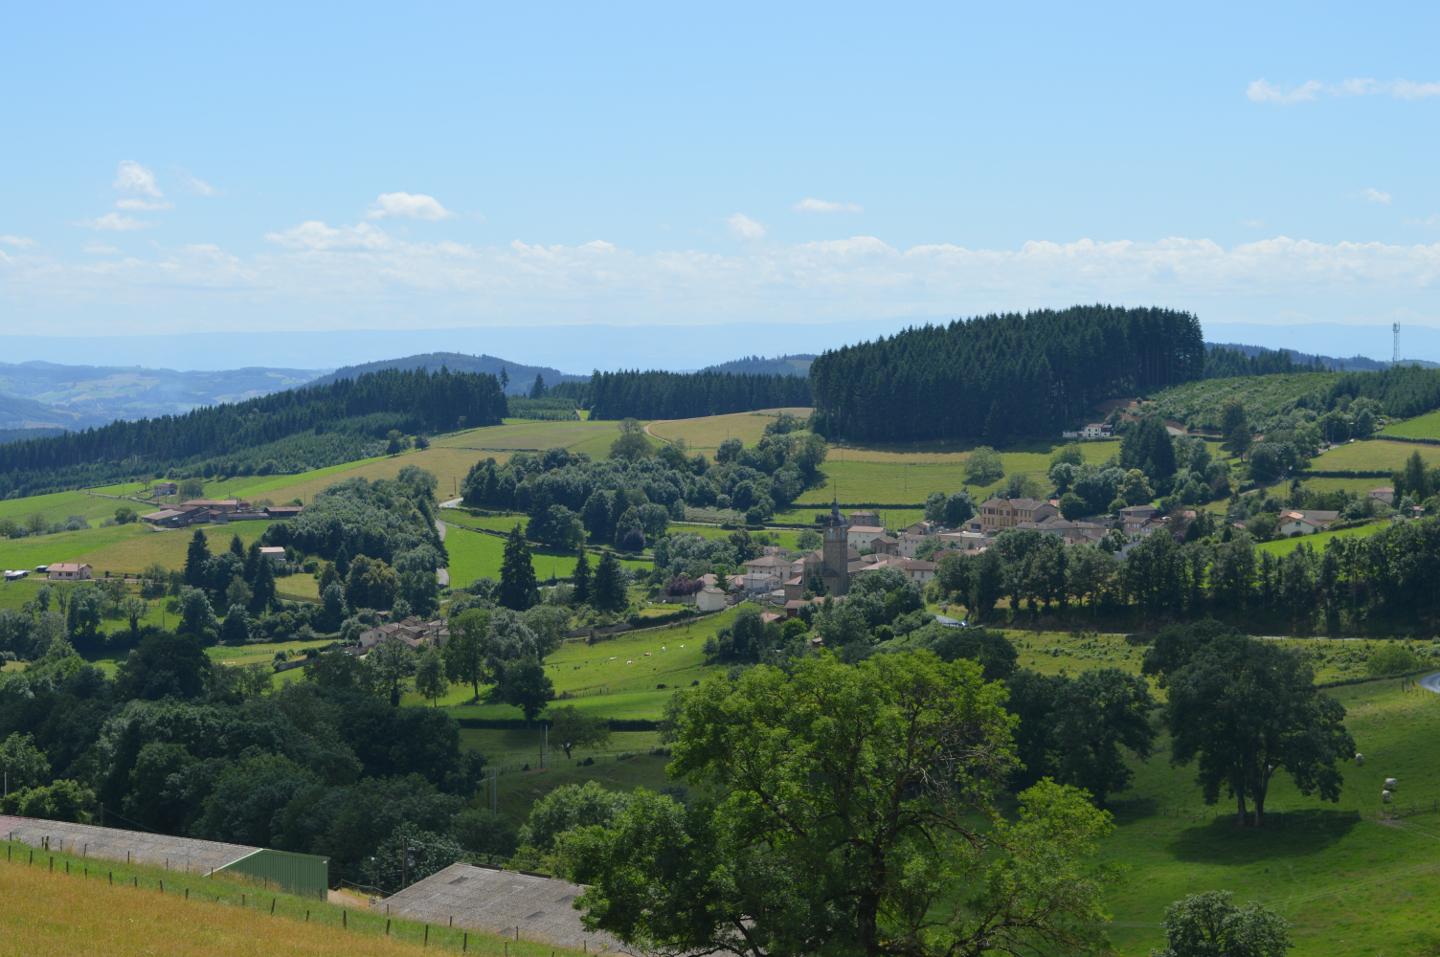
<point x="69" y="572"/>
<point x="275" y="553"/>
<point x="709" y="598"/>
<point x="296" y="873"/>
<point x="177" y="517"/>
<point x="1306" y="521"/>
<point x="537" y="909"/>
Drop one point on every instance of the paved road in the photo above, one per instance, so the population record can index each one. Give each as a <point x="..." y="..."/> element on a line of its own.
<point x="453" y="503"/>
<point x="442" y="575"/>
<point x="1431" y="682"/>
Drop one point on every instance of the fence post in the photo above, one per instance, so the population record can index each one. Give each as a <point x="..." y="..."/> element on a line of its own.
<point x="272" y="906"/>
<point x="465" y="944"/>
<point x="345" y="919"/>
<point x="387" y="927"/>
<point x="427" y="936"/>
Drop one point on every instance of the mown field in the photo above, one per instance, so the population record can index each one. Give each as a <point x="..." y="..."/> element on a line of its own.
<point x="705" y="434"/>
<point x="1425" y="426"/>
<point x="119" y="910"/>
<point x="59" y="506"/>
<point x="1373" y="455"/>
<point x="1317" y="541"/>
<point x="891" y="477"/>
<point x="478" y="555"/>
<point x="130" y="549"/>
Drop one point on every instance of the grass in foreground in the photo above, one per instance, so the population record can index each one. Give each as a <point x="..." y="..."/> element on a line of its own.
<point x="50" y="912"/>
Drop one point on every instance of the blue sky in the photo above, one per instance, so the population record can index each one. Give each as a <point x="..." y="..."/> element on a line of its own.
<point x="346" y="166"/>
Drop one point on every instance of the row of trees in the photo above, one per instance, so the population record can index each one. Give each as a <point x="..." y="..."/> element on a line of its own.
<point x="684" y="395"/>
<point x="1001" y="377"/>
<point x="1385" y="583"/>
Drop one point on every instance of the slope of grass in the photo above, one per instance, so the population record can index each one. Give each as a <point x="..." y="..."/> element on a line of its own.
<point x="478" y="555"/>
<point x="111" y="908"/>
<point x="1350" y="883"/>
<point x="705" y="434"/>
<point x="1317" y="541"/>
<point x="1425" y="426"/>
<point x="1373" y="455"/>
<point x="58" y="506"/>
<point x="120" y="548"/>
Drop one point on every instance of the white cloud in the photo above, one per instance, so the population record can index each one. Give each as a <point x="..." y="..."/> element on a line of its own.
<point x="19" y="242"/>
<point x="131" y="177"/>
<point x="743" y="227"/>
<point x="812" y="205"/>
<point x="408" y="206"/>
<point x="1263" y="91"/>
<point x="196" y="185"/>
<point x="316" y="236"/>
<point x="1374" y="195"/>
<point x="143" y="205"/>
<point x="116" y="223"/>
<point x="102" y="249"/>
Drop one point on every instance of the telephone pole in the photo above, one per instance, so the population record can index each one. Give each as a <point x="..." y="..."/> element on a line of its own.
<point x="1395" y="351"/>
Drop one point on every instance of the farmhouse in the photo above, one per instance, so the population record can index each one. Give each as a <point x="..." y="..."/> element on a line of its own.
<point x="998" y="514"/>
<point x="217" y="506"/>
<point x="69" y="571"/>
<point x="1135" y="518"/>
<point x="1306" y="521"/>
<point x="709" y="598"/>
<point x="177" y="517"/>
<point x="765" y="573"/>
<point x="283" y="511"/>
<point x="164" y="488"/>
<point x="1385" y="495"/>
<point x="275" y="553"/>
<point x="1074" y="533"/>
<point x="915" y="569"/>
<point x="412" y="631"/>
<point x="860" y="536"/>
<point x="1090" y="432"/>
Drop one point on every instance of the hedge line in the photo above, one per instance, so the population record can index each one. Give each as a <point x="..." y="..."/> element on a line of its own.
<point x="520" y="724"/>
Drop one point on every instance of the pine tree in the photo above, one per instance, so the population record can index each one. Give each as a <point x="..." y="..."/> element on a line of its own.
<point x="609" y="585"/>
<point x="197" y="556"/>
<point x="262" y="589"/>
<point x="581" y="579"/>
<point x="237" y="547"/>
<point x="517" y="574"/>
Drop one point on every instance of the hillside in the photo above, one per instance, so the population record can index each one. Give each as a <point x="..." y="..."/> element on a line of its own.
<point x="1356" y="363"/>
<point x="521" y="376"/>
<point x="1266" y="398"/>
<point x="796" y="365"/>
<point x="48" y="394"/>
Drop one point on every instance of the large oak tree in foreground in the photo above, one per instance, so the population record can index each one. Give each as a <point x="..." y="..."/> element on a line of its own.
<point x="853" y="812"/>
<point x="1243" y="709"/>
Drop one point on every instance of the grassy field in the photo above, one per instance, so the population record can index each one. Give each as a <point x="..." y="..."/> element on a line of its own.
<point x="1317" y="541"/>
<point x="1265" y="398"/>
<point x="120" y="548"/>
<point x="706" y="434"/>
<point x="1355" y="486"/>
<point x="1350" y="883"/>
<point x="477" y="555"/>
<point x="1425" y="426"/>
<point x="898" y="477"/>
<point x="58" y="506"/>
<point x="111" y="908"/>
<point x="1373" y="455"/>
<point x="631" y="676"/>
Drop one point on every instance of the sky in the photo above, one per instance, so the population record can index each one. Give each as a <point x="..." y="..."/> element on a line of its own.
<point x="441" y="170"/>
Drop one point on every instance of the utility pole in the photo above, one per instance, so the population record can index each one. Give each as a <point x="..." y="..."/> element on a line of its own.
<point x="1395" y="351"/>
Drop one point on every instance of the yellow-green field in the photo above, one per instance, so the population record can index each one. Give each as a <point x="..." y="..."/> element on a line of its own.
<point x="1317" y="541"/>
<point x="1373" y="455"/>
<point x="58" y="506"/>
<point x="478" y="555"/>
<point x="705" y="434"/>
<point x="120" y="910"/>
<point x="1425" y="426"/>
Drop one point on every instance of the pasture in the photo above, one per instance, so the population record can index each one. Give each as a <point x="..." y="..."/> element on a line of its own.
<point x="59" y="506"/>
<point x="1318" y="541"/>
<point x="476" y="554"/>
<point x="1350" y="882"/>
<point x="1425" y="426"/>
<point x="1373" y="455"/>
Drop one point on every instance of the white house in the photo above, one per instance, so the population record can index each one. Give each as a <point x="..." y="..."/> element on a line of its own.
<point x="1305" y="521"/>
<point x="69" y="571"/>
<point x="709" y="599"/>
<point x="860" y="536"/>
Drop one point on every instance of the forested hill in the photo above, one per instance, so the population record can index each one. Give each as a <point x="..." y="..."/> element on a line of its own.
<point x="798" y="365"/>
<point x="1001" y="377"/>
<point x="519" y="376"/>
<point x="683" y="395"/>
<point x="286" y="431"/>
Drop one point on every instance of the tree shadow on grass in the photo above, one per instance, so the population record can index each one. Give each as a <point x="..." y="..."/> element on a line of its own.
<point x="1130" y="810"/>
<point x="1289" y="834"/>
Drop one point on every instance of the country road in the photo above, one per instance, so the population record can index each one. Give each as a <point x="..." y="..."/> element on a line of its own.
<point x="442" y="575"/>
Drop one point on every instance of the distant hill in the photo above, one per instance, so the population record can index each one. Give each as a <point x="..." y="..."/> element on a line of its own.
<point x="52" y="395"/>
<point x="1334" y="363"/>
<point x="521" y="376"/>
<point x="798" y="365"/>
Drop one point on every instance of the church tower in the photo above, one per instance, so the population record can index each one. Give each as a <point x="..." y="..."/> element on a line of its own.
<point x="835" y="563"/>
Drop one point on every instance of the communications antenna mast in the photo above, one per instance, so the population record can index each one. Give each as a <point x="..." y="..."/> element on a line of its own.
<point x="1395" y="351"/>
